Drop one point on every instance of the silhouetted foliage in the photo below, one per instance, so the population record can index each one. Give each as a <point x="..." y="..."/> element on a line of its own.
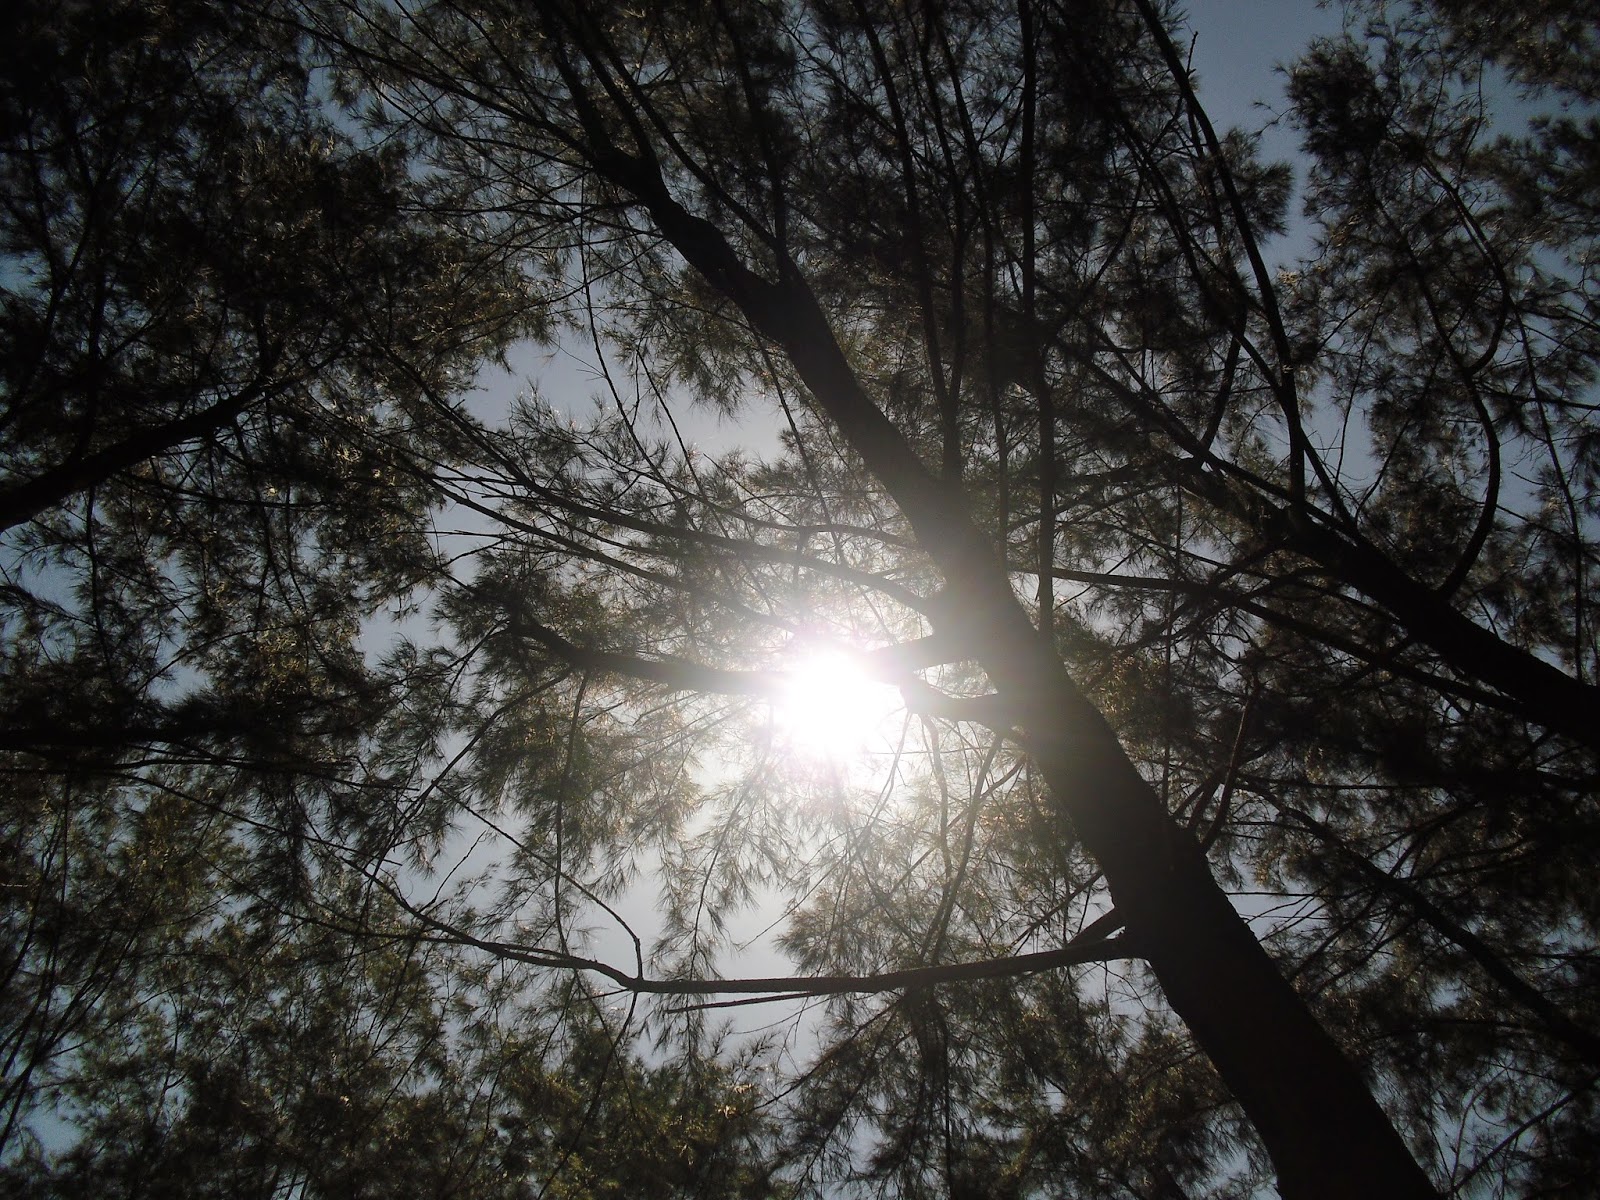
<point x="1233" y="818"/>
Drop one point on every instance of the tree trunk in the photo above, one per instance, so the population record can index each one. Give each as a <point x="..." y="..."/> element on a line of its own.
<point x="1325" y="1133"/>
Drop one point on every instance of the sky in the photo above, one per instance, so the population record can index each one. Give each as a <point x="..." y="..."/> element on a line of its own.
<point x="1240" y="46"/>
<point x="1240" y="50"/>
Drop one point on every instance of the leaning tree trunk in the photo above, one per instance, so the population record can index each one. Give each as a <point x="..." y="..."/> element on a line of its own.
<point x="1326" y="1134"/>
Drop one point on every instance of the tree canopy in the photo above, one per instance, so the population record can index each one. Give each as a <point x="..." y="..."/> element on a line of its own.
<point x="1040" y="653"/>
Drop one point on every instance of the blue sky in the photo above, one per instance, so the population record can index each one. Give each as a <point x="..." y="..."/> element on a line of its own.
<point x="1241" y="43"/>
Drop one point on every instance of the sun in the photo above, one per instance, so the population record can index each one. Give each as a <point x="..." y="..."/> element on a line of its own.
<point x="829" y="708"/>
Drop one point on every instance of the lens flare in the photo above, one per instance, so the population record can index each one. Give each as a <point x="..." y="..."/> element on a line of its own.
<point x="829" y="708"/>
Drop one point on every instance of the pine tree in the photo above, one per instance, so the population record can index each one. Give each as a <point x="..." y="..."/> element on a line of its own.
<point x="1204" y="585"/>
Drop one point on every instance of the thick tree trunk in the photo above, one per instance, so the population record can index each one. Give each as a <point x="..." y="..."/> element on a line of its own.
<point x="1326" y="1134"/>
<point x="1316" y="1115"/>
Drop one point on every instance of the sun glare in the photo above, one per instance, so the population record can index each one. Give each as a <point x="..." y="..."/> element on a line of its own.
<point x="829" y="708"/>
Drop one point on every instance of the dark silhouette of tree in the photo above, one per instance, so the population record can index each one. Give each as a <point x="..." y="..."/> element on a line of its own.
<point x="224" y="326"/>
<point x="1235" y="821"/>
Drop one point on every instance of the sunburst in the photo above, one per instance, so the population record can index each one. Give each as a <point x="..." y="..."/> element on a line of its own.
<point x="829" y="708"/>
